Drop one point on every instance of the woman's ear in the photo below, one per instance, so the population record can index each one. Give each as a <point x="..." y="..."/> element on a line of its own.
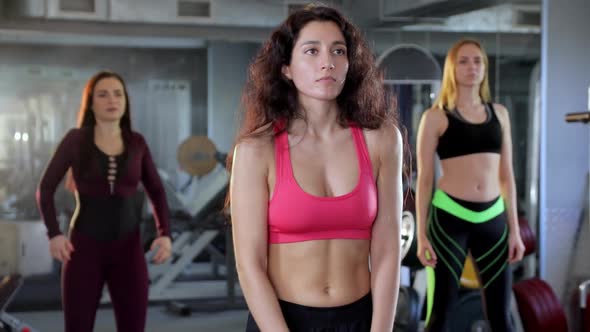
<point x="287" y="72"/>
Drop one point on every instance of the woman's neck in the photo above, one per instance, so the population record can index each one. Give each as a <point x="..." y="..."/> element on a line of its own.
<point x="320" y="119"/>
<point x="468" y="97"/>
<point x="107" y="129"/>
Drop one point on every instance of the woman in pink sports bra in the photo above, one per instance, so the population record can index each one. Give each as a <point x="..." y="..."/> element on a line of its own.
<point x="316" y="184"/>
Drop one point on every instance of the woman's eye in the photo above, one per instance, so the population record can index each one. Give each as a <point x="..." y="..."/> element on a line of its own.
<point x="340" y="51"/>
<point x="311" y="51"/>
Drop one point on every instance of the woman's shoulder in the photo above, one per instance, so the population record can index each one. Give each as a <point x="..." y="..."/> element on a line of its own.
<point x="501" y="113"/>
<point x="261" y="140"/>
<point x="74" y="135"/>
<point x="254" y="154"/>
<point x="434" y="120"/>
<point x="76" y="132"/>
<point x="435" y="114"/>
<point x="389" y="131"/>
<point x="135" y="135"/>
<point x="385" y="139"/>
<point x="256" y="146"/>
<point x="136" y="139"/>
<point x="135" y="142"/>
<point x="500" y="109"/>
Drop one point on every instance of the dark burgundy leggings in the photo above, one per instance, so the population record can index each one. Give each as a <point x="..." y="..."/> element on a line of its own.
<point x="121" y="265"/>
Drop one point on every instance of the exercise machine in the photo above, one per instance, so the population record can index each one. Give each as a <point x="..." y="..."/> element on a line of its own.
<point x="201" y="269"/>
<point x="9" y="286"/>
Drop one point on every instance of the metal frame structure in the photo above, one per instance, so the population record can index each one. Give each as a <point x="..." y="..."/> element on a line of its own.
<point x="180" y="278"/>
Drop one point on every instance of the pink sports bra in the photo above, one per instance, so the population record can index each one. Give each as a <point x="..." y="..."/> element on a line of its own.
<point x="295" y="215"/>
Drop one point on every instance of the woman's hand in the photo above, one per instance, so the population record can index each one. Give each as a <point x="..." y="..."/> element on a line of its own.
<point x="61" y="248"/>
<point x="515" y="247"/>
<point x="425" y="253"/>
<point x="163" y="247"/>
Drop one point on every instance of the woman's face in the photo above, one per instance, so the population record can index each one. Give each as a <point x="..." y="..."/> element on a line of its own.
<point x="108" y="100"/>
<point x="319" y="61"/>
<point x="469" y="67"/>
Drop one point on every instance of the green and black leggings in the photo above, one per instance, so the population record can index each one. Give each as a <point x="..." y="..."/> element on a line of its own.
<point x="456" y="226"/>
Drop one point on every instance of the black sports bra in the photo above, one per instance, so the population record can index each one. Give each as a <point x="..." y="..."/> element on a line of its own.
<point x="463" y="137"/>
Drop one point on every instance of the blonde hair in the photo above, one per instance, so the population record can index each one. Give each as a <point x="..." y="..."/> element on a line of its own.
<point x="448" y="92"/>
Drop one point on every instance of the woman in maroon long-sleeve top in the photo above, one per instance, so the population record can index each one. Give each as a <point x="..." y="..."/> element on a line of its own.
<point x="107" y="160"/>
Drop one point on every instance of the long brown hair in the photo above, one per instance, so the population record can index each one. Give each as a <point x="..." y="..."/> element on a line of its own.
<point x="87" y="120"/>
<point x="448" y="92"/>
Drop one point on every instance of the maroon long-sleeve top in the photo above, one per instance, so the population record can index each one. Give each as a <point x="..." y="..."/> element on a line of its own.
<point x="89" y="166"/>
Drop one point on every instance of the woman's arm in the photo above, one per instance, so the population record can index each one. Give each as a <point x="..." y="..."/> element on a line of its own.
<point x="155" y="190"/>
<point x="249" y="203"/>
<point x="58" y="165"/>
<point x="386" y="237"/>
<point x="508" y="186"/>
<point x="426" y="148"/>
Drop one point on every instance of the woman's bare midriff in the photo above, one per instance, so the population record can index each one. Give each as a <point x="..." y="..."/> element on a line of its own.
<point x="320" y="273"/>
<point x="472" y="177"/>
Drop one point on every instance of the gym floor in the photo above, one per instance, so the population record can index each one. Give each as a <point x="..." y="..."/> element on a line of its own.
<point x="158" y="320"/>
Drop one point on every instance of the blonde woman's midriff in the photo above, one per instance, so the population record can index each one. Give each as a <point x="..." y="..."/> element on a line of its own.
<point x="473" y="177"/>
<point x="320" y="273"/>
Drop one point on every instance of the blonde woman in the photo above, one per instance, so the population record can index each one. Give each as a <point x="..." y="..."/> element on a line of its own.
<point x="473" y="207"/>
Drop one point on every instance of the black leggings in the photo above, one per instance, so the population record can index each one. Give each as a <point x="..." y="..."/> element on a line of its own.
<point x="353" y="317"/>
<point x="120" y="264"/>
<point x="451" y="237"/>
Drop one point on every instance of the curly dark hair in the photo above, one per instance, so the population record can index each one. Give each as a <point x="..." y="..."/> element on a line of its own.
<point x="270" y="98"/>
